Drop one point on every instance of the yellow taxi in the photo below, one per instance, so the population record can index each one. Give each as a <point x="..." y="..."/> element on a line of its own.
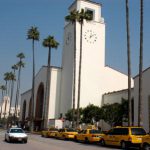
<point x="146" y="142"/>
<point x="89" y="135"/>
<point x="66" y="133"/>
<point x="49" y="132"/>
<point x="124" y="137"/>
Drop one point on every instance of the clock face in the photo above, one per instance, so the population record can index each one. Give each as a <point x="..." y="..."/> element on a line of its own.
<point x="68" y="38"/>
<point x="90" y="36"/>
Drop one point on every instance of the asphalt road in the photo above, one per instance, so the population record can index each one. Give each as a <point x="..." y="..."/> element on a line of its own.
<point x="36" y="142"/>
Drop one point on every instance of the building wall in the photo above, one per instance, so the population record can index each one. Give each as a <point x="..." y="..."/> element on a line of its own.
<point x="25" y="97"/>
<point x="145" y="95"/>
<point x="116" y="96"/>
<point x="54" y="99"/>
<point x="54" y="109"/>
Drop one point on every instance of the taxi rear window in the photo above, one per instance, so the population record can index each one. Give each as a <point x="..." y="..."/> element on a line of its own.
<point x="95" y="131"/>
<point x="138" y="131"/>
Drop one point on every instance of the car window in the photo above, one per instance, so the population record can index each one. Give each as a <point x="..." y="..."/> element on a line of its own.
<point x="138" y="131"/>
<point x="16" y="131"/>
<point x="110" y="132"/>
<point x="71" y="130"/>
<point x="53" y="130"/>
<point x="95" y="131"/>
<point x="84" y="132"/>
<point x="121" y="131"/>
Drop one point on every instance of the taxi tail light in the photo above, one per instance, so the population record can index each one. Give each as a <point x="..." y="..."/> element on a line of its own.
<point x="129" y="139"/>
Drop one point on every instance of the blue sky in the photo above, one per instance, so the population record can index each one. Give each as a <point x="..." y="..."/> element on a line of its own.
<point x="17" y="16"/>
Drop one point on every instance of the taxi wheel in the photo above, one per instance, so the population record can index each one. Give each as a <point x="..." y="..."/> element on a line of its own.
<point x="64" y="137"/>
<point x="102" y="142"/>
<point x="86" y="140"/>
<point x="146" y="147"/>
<point x="46" y="135"/>
<point x="9" y="140"/>
<point x="124" y="145"/>
<point x="75" y="138"/>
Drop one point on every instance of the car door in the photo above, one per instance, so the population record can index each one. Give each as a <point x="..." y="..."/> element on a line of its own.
<point x="109" y="137"/>
<point x="82" y="135"/>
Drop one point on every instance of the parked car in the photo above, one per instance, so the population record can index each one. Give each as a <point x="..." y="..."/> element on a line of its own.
<point x="89" y="135"/>
<point x="16" y="134"/>
<point x="124" y="137"/>
<point x="66" y="133"/>
<point x="49" y="132"/>
<point x="146" y="142"/>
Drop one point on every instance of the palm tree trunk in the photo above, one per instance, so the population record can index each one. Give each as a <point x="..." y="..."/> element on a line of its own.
<point x="47" y="94"/>
<point x="129" y="64"/>
<point x="17" y="93"/>
<point x="12" y="87"/>
<point x="74" y="78"/>
<point x="79" y="80"/>
<point x="33" y="85"/>
<point x="5" y="109"/>
<point x="140" y="66"/>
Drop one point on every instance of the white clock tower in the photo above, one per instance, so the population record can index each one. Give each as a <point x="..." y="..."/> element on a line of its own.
<point x="96" y="78"/>
<point x="93" y="59"/>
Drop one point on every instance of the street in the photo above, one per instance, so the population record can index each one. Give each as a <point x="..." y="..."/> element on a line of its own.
<point x="36" y="142"/>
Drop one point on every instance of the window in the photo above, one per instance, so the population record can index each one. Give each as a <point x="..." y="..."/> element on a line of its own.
<point x="95" y="131"/>
<point x="90" y="12"/>
<point x="138" y="131"/>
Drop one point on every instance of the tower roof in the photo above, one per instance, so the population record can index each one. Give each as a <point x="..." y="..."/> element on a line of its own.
<point x="89" y="1"/>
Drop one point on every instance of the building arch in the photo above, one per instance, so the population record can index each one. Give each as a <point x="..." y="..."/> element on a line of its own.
<point x="38" y="123"/>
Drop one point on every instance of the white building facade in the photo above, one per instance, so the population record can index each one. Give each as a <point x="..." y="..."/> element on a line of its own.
<point x="145" y="99"/>
<point x="96" y="78"/>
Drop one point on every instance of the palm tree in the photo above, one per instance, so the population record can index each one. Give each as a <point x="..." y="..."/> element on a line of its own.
<point x="73" y="18"/>
<point x="49" y="42"/>
<point x="6" y="78"/>
<point x="140" y="66"/>
<point x="82" y="16"/>
<point x="12" y="78"/>
<point x="20" y="65"/>
<point x="129" y="64"/>
<point x="3" y="88"/>
<point x="33" y="34"/>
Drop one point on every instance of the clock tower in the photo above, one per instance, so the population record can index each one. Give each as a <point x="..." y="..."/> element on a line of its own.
<point x="93" y="57"/>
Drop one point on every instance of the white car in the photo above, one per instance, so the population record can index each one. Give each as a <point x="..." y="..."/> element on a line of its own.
<point x="16" y="134"/>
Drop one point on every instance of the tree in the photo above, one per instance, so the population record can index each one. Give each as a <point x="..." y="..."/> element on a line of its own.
<point x="114" y="114"/>
<point x="82" y="16"/>
<point x="73" y="18"/>
<point x="12" y="78"/>
<point x="2" y="88"/>
<point x="6" y="78"/>
<point x="140" y="100"/>
<point x="69" y="115"/>
<point x="20" y="65"/>
<point x="33" y="34"/>
<point x="129" y="64"/>
<point x="91" y="113"/>
<point x="49" y="42"/>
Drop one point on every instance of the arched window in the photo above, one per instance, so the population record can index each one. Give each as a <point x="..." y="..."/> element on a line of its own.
<point x="39" y="102"/>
